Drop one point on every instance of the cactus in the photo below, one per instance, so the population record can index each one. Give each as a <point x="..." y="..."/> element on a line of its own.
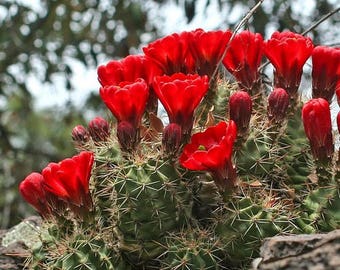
<point x="231" y="168"/>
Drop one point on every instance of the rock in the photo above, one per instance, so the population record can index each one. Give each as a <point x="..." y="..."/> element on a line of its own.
<point x="15" y="242"/>
<point x="303" y="252"/>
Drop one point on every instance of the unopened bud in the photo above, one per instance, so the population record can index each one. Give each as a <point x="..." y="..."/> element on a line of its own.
<point x="240" y="107"/>
<point x="172" y="137"/>
<point x="99" y="129"/>
<point x="278" y="102"/>
<point x="338" y="121"/>
<point x="80" y="134"/>
<point x="316" y="117"/>
<point x="127" y="136"/>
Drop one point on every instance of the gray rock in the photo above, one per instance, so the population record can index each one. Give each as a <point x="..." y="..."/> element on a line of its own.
<point x="303" y="252"/>
<point x="16" y="242"/>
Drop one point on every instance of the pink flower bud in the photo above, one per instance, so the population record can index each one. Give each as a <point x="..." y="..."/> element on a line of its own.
<point x="278" y="102"/>
<point x="338" y="121"/>
<point x="127" y="136"/>
<point x="80" y="134"/>
<point x="172" y="136"/>
<point x="99" y="129"/>
<point x="240" y="107"/>
<point x="316" y="117"/>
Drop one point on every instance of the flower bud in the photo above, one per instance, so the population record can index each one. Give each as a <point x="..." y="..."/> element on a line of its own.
<point x="172" y="137"/>
<point x="338" y="121"/>
<point x="278" y="102"/>
<point x="32" y="191"/>
<point x="240" y="107"/>
<point x="80" y="134"/>
<point x="127" y="136"/>
<point x="99" y="129"/>
<point x="316" y="117"/>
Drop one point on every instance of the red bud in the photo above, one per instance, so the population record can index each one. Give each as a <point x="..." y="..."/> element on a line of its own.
<point x="99" y="129"/>
<point x="240" y="107"/>
<point x="80" y="134"/>
<point x="278" y="102"/>
<point x="316" y="118"/>
<point x="338" y="121"/>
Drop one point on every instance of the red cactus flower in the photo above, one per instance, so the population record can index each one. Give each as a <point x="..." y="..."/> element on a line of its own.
<point x="316" y="119"/>
<point x="129" y="69"/>
<point x="180" y="94"/>
<point x="31" y="189"/>
<point x="278" y="103"/>
<point x="80" y="134"/>
<point x="69" y="179"/>
<point x="240" y="107"/>
<point x="211" y="151"/>
<point x="99" y="129"/>
<point x="171" y="53"/>
<point x="288" y="52"/>
<point x="243" y="58"/>
<point x="126" y="101"/>
<point x="207" y="49"/>
<point x="325" y="72"/>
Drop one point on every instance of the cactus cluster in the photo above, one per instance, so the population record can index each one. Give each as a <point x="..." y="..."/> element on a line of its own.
<point x="235" y="162"/>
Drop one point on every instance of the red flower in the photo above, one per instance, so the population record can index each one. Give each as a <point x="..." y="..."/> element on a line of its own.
<point x="288" y="52"/>
<point x="278" y="103"/>
<point x="69" y="179"/>
<point x="99" y="129"/>
<point x="180" y="94"/>
<point x="325" y="72"/>
<point x="31" y="189"/>
<point x="129" y="69"/>
<point x="243" y="58"/>
<point x="240" y="107"/>
<point x="316" y="117"/>
<point x="207" y="49"/>
<point x="211" y="151"/>
<point x="171" y="53"/>
<point x="126" y="101"/>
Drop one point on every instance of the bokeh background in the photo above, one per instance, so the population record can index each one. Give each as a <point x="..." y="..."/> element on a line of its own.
<point x="49" y="51"/>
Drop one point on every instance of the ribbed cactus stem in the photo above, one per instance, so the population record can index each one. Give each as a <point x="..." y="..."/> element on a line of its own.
<point x="325" y="174"/>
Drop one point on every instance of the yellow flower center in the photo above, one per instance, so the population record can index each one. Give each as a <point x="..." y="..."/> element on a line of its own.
<point x="201" y="147"/>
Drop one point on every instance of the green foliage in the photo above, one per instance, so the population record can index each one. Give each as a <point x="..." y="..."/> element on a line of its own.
<point x="40" y="41"/>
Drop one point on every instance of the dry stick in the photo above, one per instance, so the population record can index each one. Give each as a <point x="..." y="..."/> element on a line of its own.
<point x="316" y="24"/>
<point x="237" y="28"/>
<point x="320" y="21"/>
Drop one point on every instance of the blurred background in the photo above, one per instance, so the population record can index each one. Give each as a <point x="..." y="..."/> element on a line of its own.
<point x="49" y="51"/>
